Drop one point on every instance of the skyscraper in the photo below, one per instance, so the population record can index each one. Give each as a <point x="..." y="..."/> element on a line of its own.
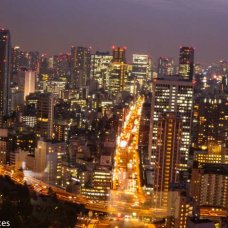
<point x="15" y="60"/>
<point x="100" y="63"/>
<point x="186" y="63"/>
<point x="167" y="156"/>
<point x="165" y="67"/>
<point x="171" y="94"/>
<point x="5" y="65"/>
<point x="141" y="68"/>
<point x="210" y="120"/>
<point x="118" y="71"/>
<point x="30" y="83"/>
<point x="45" y="114"/>
<point x="119" y="54"/>
<point x="80" y="65"/>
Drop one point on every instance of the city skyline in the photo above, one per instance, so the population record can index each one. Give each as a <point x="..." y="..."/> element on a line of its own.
<point x="114" y="113"/>
<point x="60" y="26"/>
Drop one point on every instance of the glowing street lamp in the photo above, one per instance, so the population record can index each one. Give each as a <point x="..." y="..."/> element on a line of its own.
<point x="123" y="143"/>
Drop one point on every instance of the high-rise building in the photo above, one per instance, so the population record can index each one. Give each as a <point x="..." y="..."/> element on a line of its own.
<point x="209" y="185"/>
<point x="119" y="54"/>
<point x="61" y="64"/>
<point x="141" y="68"/>
<point x="4" y="147"/>
<point x="5" y="70"/>
<point x="210" y="120"/>
<point x="16" y="59"/>
<point x="80" y="65"/>
<point x="100" y="63"/>
<point x="33" y="60"/>
<point x="118" y="71"/>
<point x="171" y="94"/>
<point x="167" y="156"/>
<point x="165" y="67"/>
<point x="45" y="115"/>
<point x="186" y="63"/>
<point x="30" y="83"/>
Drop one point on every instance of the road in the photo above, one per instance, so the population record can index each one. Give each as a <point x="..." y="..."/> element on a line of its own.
<point x="126" y="172"/>
<point x="127" y="195"/>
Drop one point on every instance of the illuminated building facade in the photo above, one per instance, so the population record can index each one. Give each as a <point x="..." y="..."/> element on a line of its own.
<point x="165" y="67"/>
<point x="186" y="63"/>
<point x="30" y="83"/>
<point x="118" y="71"/>
<point x="209" y="185"/>
<point x="167" y="156"/>
<point x="48" y="156"/>
<point x="119" y="54"/>
<point x="181" y="208"/>
<point x="45" y="112"/>
<point x="61" y="65"/>
<point x="16" y="59"/>
<point x="5" y="71"/>
<point x="100" y="63"/>
<point x="210" y="120"/>
<point x="4" y="147"/>
<point x="141" y="68"/>
<point x="214" y="154"/>
<point x="101" y="185"/>
<point x="172" y="95"/>
<point x="81" y="58"/>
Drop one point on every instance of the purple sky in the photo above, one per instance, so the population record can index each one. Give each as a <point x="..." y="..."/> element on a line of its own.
<point x="155" y="27"/>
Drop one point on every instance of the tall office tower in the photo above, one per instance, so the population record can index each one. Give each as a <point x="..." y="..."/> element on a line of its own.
<point x="118" y="71"/>
<point x="73" y="64"/>
<point x="210" y="120"/>
<point x="45" y="114"/>
<point x="62" y="67"/>
<point x="15" y="59"/>
<point x="43" y="64"/>
<point x="167" y="156"/>
<point x="29" y="83"/>
<point x="165" y="67"/>
<point x="33" y="60"/>
<point x="141" y="68"/>
<point x="171" y="94"/>
<point x="100" y="63"/>
<point x="82" y="61"/>
<point x="119" y="54"/>
<point x="5" y="70"/>
<point x="186" y="63"/>
<point x="223" y="68"/>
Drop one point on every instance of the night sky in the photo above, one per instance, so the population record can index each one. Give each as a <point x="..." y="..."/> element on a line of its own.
<point x="155" y="27"/>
